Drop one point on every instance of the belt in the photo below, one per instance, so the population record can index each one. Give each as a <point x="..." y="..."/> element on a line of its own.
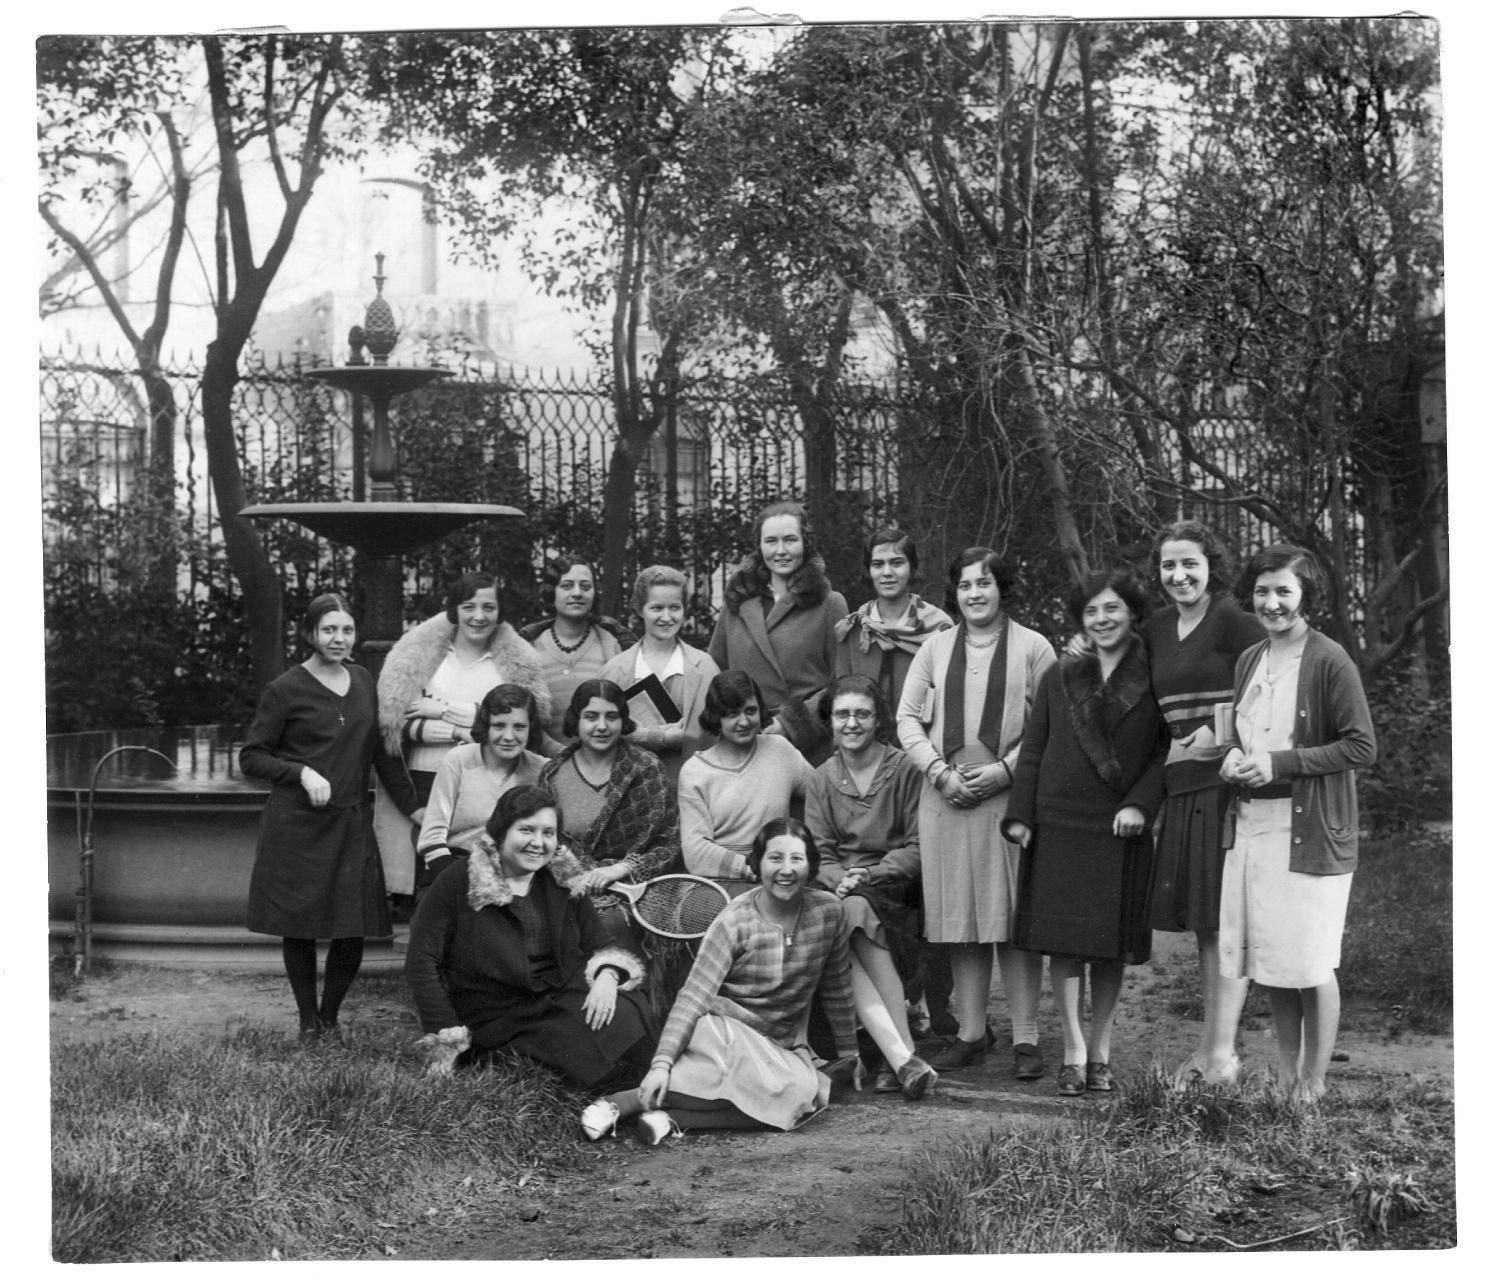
<point x="1275" y="792"/>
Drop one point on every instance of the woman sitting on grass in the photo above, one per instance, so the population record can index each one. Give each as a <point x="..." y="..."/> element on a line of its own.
<point x="732" y="1053"/>
<point x="1302" y="727"/>
<point x="503" y="958"/>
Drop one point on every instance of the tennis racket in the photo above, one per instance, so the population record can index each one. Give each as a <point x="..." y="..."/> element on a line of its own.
<point x="674" y="907"/>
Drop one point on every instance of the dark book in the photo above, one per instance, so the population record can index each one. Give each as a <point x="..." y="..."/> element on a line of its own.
<point x="656" y="693"/>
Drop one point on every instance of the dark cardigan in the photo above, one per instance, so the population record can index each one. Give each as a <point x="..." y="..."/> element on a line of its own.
<point x="1091" y="747"/>
<point x="1332" y="736"/>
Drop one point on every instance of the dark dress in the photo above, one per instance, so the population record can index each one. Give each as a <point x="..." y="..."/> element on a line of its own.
<point x="1091" y="747"/>
<point x="516" y="972"/>
<point x="1188" y="677"/>
<point x="317" y="871"/>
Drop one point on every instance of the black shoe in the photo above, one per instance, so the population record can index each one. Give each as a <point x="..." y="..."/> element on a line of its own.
<point x="958" y="1054"/>
<point x="944" y="1024"/>
<point x="1028" y="1057"/>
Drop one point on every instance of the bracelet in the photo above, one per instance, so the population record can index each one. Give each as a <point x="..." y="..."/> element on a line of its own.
<point x="662" y="1063"/>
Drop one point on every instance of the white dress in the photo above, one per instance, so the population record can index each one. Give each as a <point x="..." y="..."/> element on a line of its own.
<point x="1281" y="928"/>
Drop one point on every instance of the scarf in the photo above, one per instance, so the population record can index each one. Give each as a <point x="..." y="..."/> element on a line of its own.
<point x="874" y="632"/>
<point x="994" y="693"/>
<point x="1096" y="705"/>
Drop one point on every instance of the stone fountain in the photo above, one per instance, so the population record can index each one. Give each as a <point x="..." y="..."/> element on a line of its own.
<point x="177" y="842"/>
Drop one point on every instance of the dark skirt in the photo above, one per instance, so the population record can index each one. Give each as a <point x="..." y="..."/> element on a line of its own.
<point x="1188" y="871"/>
<point x="1083" y="894"/>
<point x="550" y="1029"/>
<point x="889" y="913"/>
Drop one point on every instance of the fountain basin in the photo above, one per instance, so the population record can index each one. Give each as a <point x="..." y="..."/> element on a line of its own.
<point x="381" y="528"/>
<point x="172" y="853"/>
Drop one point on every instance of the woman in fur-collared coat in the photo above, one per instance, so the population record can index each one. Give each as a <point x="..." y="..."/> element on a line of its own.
<point x="1089" y="779"/>
<point x="431" y="685"/>
<point x="503" y="957"/>
<point x="777" y="624"/>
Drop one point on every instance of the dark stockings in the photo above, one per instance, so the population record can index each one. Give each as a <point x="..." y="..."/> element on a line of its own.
<point x="300" y="957"/>
<point x="691" y="1113"/>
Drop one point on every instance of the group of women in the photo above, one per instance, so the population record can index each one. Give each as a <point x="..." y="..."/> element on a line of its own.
<point x="876" y="791"/>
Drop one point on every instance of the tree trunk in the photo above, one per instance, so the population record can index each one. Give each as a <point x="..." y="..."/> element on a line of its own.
<point x="619" y="516"/>
<point x="247" y="557"/>
<point x="1039" y="430"/>
<point x="161" y="478"/>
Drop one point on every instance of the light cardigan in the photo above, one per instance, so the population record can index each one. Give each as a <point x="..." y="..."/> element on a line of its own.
<point x="919" y="717"/>
<point x="698" y="669"/>
<point x="464" y="793"/>
<point x="1332" y="736"/>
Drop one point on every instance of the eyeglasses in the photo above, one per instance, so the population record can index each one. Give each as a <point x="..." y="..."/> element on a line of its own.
<point x="853" y="717"/>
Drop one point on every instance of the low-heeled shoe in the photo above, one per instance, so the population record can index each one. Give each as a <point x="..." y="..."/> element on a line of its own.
<point x="1070" y="1080"/>
<point x="958" y="1054"/>
<point x="1028" y="1057"/>
<point x="1096" y="1073"/>
<point x="916" y="1078"/>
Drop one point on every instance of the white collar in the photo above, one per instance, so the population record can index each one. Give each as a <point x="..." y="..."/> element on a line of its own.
<point x="677" y="665"/>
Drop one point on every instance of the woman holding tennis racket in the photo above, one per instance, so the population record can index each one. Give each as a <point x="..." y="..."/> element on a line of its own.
<point x="731" y="1053"/>
<point x="622" y="824"/>
<point x="503" y="958"/>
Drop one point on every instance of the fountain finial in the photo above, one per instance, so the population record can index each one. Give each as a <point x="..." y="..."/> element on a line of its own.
<point x="380" y="322"/>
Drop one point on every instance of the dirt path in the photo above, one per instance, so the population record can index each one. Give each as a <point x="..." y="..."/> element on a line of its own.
<point x="832" y="1183"/>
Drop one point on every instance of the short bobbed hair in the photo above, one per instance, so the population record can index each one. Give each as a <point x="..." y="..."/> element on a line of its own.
<point x="784" y="827"/>
<point x="997" y="566"/>
<point x="465" y="588"/>
<point x="499" y="700"/>
<point x="865" y="687"/>
<point x="727" y="693"/>
<point x="1120" y="580"/>
<point x="1302" y="564"/>
<point x="891" y="536"/>
<point x="1216" y="551"/>
<point x="558" y="567"/>
<point x="518" y="803"/>
<point x="586" y="693"/>
<point x="330" y="601"/>
<point x="648" y="579"/>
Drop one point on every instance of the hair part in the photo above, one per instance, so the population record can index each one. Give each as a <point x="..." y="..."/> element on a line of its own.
<point x="465" y="588"/>
<point x="890" y="535"/>
<point x="998" y="569"/>
<point x="1120" y="580"/>
<point x="862" y="686"/>
<point x="585" y="693"/>
<point x="1300" y="561"/>
<point x="1216" y="552"/>
<point x="517" y="803"/>
<point x="558" y="567"/>
<point x="784" y="827"/>
<point x="330" y="601"/>
<point x="499" y="700"/>
<point x="727" y="693"/>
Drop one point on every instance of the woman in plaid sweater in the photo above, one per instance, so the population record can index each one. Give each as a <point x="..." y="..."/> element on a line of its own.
<point x="732" y="1052"/>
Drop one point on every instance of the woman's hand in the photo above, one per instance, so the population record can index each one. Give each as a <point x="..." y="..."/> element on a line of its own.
<point x="1229" y="770"/>
<point x="1130" y="821"/>
<point x="1253" y="771"/>
<point x="601" y="878"/>
<point x="599" y="1005"/>
<point x="852" y="881"/>
<point x="1200" y="744"/>
<point x="985" y="780"/>
<point x="775" y="727"/>
<point x="316" y="786"/>
<point x="427" y="708"/>
<point x="1018" y="834"/>
<point x="956" y="791"/>
<point x="653" y="1088"/>
<point x="1080" y="645"/>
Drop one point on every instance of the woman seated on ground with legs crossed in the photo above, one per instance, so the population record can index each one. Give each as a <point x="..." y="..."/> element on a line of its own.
<point x="503" y="958"/>
<point x="731" y="1052"/>
<point x="862" y="812"/>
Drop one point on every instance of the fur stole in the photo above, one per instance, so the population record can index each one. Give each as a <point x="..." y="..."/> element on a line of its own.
<point x="750" y="579"/>
<point x="416" y="656"/>
<point x="488" y="887"/>
<point x="1096" y="706"/>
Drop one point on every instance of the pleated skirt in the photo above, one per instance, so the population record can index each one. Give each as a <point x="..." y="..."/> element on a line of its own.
<point x="1187" y="872"/>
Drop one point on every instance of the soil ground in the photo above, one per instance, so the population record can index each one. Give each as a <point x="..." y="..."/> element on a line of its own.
<point x="836" y="1181"/>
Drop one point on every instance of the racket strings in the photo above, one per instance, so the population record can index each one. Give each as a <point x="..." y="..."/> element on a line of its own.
<point x="679" y="907"/>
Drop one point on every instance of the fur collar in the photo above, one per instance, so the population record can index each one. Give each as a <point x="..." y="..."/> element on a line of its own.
<point x="488" y="886"/>
<point x="751" y="579"/>
<point x="416" y="656"/>
<point x="1096" y="706"/>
